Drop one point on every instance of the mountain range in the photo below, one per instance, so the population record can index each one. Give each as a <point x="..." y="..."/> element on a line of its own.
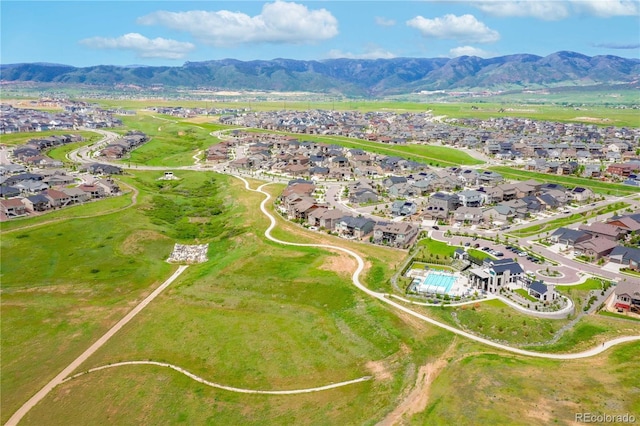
<point x="352" y="77"/>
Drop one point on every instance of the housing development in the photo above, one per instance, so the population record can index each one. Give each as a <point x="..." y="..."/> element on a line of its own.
<point x="359" y="241"/>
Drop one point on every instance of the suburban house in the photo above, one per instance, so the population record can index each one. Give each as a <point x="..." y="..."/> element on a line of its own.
<point x="495" y="274"/>
<point x="470" y="215"/>
<point x="627" y="297"/>
<point x="629" y="222"/>
<point x="36" y="203"/>
<point x="440" y="205"/>
<point x="626" y="256"/>
<point x="354" y="227"/>
<point x="595" y="247"/>
<point x="324" y="218"/>
<point x="604" y="230"/>
<point x="569" y="237"/>
<point x="13" y="207"/>
<point x="395" y="234"/>
<point x="76" y="195"/>
<point x="57" y="198"/>
<point x="581" y="194"/>
<point x="403" y="208"/>
<point x="544" y="292"/>
<point x="471" y="198"/>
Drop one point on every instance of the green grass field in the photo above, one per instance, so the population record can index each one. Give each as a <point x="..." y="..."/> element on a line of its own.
<point x="567" y="220"/>
<point x="512" y="107"/>
<point x="172" y="143"/>
<point x="595" y="185"/>
<point x="429" y="154"/>
<point x="481" y="387"/>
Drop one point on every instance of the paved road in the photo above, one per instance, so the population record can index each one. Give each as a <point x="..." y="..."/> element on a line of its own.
<point x="223" y="387"/>
<point x="18" y="415"/>
<point x="386" y="298"/>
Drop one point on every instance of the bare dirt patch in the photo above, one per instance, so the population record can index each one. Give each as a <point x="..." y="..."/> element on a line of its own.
<point x="341" y="263"/>
<point x="383" y="369"/>
<point x="593" y="119"/>
<point x="417" y="398"/>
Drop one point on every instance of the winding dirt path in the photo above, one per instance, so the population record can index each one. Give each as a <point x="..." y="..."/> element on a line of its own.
<point x="18" y="415"/>
<point x="383" y="297"/>
<point x="223" y="387"/>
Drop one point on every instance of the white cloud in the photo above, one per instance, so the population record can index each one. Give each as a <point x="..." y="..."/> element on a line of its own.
<point x="607" y="8"/>
<point x="279" y="22"/>
<point x="469" y="51"/>
<point x="384" y="22"/>
<point x="547" y="10"/>
<point x="142" y="46"/>
<point x="461" y="28"/>
<point x="551" y="10"/>
<point x="372" y="53"/>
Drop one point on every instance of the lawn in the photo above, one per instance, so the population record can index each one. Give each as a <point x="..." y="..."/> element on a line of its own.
<point x="428" y="154"/>
<point x="483" y="387"/>
<point x="523" y="293"/>
<point x="172" y="143"/>
<point x="595" y="185"/>
<point x="241" y="319"/>
<point x="568" y="220"/>
<point x="82" y="276"/>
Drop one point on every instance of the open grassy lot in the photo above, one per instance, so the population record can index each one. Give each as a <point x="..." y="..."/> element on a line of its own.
<point x="481" y="387"/>
<point x="567" y="220"/>
<point x="600" y="115"/>
<point x="581" y="293"/>
<point x="595" y="185"/>
<point x="65" y="283"/>
<point x="172" y="143"/>
<point x="257" y="315"/>
<point x="497" y="321"/>
<point x="427" y="154"/>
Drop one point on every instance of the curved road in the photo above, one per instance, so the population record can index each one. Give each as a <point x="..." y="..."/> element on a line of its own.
<point x="385" y="298"/>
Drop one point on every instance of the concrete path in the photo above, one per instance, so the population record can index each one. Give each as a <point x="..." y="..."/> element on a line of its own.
<point x="18" y="415"/>
<point x="223" y="387"/>
<point x="386" y="298"/>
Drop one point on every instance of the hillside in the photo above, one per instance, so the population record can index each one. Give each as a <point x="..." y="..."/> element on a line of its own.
<point x="352" y="77"/>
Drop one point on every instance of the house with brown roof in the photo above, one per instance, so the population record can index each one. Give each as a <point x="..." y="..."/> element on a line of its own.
<point x="57" y="198"/>
<point x="395" y="234"/>
<point x="604" y="230"/>
<point x="595" y="248"/>
<point x="94" y="191"/>
<point x="13" y="207"/>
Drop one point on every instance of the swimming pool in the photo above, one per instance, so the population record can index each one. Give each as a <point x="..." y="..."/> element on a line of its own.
<point x="434" y="283"/>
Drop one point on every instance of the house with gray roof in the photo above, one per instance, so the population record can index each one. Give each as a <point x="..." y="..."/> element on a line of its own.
<point x="568" y="237"/>
<point x="354" y="227"/>
<point x="543" y="292"/>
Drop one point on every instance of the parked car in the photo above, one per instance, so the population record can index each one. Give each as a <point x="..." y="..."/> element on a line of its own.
<point x="437" y="228"/>
<point x="498" y="254"/>
<point x="476" y="245"/>
<point x="467" y="244"/>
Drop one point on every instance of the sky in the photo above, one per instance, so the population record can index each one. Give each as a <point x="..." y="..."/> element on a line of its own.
<point x="86" y="33"/>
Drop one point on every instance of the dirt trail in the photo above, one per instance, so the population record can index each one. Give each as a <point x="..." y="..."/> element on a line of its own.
<point x="418" y="397"/>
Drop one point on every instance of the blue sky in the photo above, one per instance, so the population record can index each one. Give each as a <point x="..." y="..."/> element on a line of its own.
<point x="84" y="33"/>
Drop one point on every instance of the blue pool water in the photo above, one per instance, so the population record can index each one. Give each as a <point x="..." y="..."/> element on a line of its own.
<point x="435" y="282"/>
